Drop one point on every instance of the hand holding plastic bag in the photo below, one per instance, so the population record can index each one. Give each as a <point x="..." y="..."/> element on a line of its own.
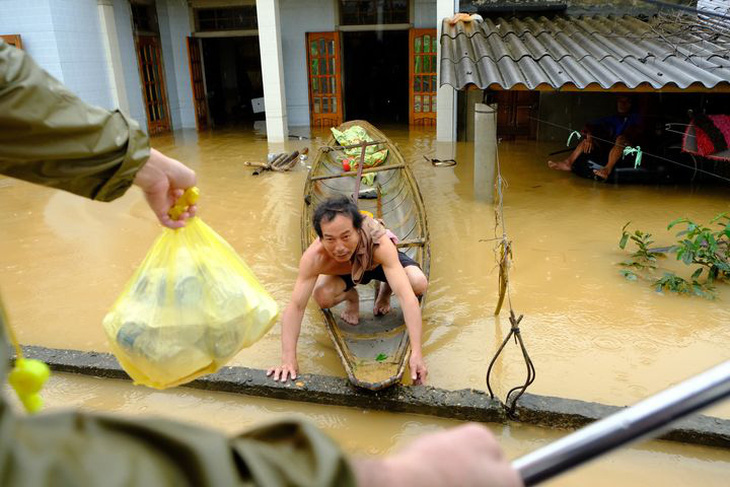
<point x="190" y="307"/>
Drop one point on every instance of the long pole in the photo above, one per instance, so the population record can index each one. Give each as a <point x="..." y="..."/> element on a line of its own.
<point x="641" y="420"/>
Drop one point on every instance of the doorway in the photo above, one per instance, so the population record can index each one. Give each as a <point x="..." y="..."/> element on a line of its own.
<point x="233" y="80"/>
<point x="376" y="76"/>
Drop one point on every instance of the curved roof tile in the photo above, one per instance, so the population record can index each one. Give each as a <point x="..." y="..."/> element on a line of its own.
<point x="605" y="51"/>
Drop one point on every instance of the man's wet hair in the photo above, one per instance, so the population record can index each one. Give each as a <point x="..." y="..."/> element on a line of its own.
<point x="329" y="209"/>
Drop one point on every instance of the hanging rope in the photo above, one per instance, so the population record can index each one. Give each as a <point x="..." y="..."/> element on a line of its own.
<point x="510" y="401"/>
<point x="505" y="259"/>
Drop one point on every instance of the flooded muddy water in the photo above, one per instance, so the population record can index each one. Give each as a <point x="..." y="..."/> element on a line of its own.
<point x="592" y="334"/>
<point x="374" y="433"/>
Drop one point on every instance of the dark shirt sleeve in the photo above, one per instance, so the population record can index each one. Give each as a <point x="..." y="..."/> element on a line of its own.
<point x="49" y="136"/>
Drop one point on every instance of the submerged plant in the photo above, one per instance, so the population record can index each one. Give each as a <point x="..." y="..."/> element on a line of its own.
<point x="698" y="246"/>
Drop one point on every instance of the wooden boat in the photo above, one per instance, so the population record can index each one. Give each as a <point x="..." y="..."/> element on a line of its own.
<point x="374" y="353"/>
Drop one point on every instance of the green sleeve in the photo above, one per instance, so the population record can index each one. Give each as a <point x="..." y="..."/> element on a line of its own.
<point x="73" y="448"/>
<point x="49" y="136"/>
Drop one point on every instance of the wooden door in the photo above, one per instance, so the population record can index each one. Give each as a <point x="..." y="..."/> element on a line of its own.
<point x="149" y="56"/>
<point x="13" y="40"/>
<point x="325" y="79"/>
<point x="422" y="78"/>
<point x="196" y="80"/>
<point x="516" y="112"/>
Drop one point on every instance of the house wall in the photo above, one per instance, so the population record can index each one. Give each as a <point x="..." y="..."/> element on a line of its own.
<point x="424" y="15"/>
<point x="297" y="18"/>
<point x="173" y="17"/>
<point x="64" y="38"/>
<point x="301" y="16"/>
<point x="130" y="67"/>
<point x="34" y="23"/>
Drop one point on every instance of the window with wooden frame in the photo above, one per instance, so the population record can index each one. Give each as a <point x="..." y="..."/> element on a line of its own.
<point x="422" y="69"/>
<point x="325" y="79"/>
<point x="12" y="39"/>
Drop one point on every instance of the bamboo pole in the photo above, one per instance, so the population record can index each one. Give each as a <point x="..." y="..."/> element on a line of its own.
<point x="354" y="173"/>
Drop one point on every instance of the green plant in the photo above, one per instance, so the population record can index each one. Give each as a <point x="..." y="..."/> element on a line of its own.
<point x="644" y="258"/>
<point x="696" y="245"/>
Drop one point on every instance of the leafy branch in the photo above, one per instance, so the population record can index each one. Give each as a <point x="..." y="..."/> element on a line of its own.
<point x="699" y="246"/>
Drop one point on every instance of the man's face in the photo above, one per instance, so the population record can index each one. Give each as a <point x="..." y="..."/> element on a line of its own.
<point x="339" y="238"/>
<point x="623" y="105"/>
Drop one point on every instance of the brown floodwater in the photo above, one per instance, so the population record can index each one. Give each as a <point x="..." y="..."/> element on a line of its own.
<point x="362" y="432"/>
<point x="592" y="334"/>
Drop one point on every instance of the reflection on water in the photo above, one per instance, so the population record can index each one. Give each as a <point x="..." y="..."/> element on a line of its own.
<point x="374" y="433"/>
<point x="592" y="335"/>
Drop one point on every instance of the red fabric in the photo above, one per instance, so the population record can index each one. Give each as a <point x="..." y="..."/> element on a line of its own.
<point x="705" y="147"/>
<point x="722" y="122"/>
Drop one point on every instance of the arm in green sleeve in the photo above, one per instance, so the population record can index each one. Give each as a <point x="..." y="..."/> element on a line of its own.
<point x="75" y="448"/>
<point x="49" y="136"/>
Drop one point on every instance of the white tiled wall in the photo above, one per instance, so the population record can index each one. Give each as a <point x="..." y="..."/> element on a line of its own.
<point x="33" y="21"/>
<point x="80" y="49"/>
<point x="64" y="38"/>
<point x="425" y="14"/>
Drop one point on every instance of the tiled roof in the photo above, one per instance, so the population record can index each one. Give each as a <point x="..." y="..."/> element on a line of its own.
<point x="596" y="51"/>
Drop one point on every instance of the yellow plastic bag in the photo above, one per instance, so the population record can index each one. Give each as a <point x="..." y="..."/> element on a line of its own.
<point x="189" y="308"/>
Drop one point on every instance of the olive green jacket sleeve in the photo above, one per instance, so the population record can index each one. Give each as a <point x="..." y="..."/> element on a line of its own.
<point x="82" y="449"/>
<point x="50" y="137"/>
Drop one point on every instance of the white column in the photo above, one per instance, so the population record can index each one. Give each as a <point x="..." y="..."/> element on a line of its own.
<point x="485" y="151"/>
<point x="272" y="69"/>
<point x="446" y="95"/>
<point x="115" y="69"/>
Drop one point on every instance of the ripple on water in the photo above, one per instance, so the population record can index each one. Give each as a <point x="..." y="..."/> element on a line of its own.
<point x="607" y="343"/>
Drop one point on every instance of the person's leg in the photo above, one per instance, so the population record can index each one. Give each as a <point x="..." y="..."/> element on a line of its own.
<point x="613" y="157"/>
<point x="418" y="281"/>
<point x="331" y="291"/>
<point x="567" y="163"/>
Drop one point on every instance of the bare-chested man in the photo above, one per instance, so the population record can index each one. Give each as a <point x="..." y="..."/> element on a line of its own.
<point x="352" y="249"/>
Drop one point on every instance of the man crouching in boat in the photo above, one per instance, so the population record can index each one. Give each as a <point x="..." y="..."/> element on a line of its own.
<point x="352" y="249"/>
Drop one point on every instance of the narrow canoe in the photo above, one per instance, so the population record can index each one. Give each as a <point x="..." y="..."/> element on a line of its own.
<point x="374" y="353"/>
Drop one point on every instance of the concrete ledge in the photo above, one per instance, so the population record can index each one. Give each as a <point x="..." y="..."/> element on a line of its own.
<point x="465" y="404"/>
<point x="556" y="412"/>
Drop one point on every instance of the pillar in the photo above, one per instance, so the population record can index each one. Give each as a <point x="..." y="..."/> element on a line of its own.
<point x="272" y="69"/>
<point x="110" y="39"/>
<point x="446" y="95"/>
<point x="485" y="151"/>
